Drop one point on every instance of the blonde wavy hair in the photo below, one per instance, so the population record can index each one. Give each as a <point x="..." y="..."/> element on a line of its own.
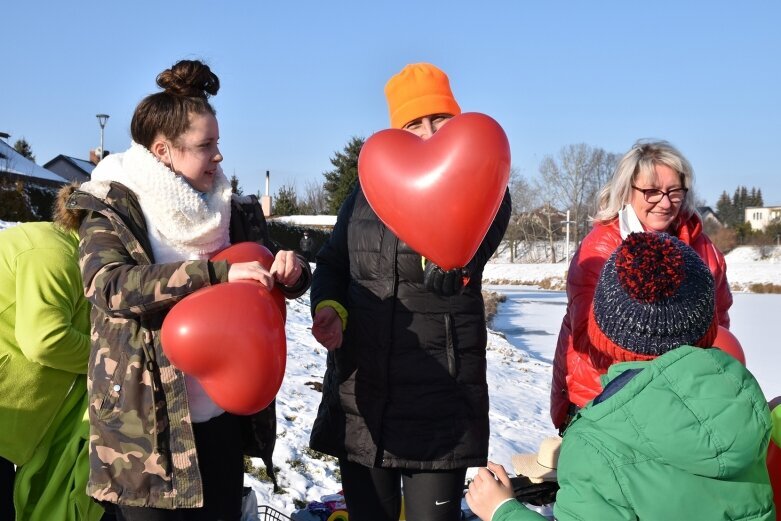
<point x="638" y="164"/>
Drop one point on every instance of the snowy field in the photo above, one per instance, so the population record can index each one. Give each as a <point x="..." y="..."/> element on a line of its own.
<point x="520" y="350"/>
<point x="745" y="266"/>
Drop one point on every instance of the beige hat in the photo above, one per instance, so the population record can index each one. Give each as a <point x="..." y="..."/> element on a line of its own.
<point x="541" y="466"/>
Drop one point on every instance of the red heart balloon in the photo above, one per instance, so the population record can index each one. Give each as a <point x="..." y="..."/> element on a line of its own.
<point x="231" y="338"/>
<point x="728" y="343"/>
<point x="252" y="251"/>
<point x="439" y="195"/>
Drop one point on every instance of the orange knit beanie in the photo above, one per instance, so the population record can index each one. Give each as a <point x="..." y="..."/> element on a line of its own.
<point x="420" y="89"/>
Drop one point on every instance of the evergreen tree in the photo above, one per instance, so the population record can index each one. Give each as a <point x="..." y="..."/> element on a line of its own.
<point x="739" y="202"/>
<point x="732" y="212"/>
<point x="24" y="148"/>
<point x="286" y="201"/>
<point x="725" y="210"/>
<point x="341" y="181"/>
<point x="235" y="188"/>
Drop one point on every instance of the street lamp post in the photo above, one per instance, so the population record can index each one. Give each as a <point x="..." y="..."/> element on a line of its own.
<point x="567" y="222"/>
<point x="102" y="118"/>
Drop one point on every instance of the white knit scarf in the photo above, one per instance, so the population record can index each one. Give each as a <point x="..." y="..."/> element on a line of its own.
<point x="179" y="217"/>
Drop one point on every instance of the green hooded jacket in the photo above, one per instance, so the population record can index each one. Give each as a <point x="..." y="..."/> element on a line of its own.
<point x="681" y="437"/>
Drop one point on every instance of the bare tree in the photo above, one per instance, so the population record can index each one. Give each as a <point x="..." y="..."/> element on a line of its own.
<point x="315" y="200"/>
<point x="604" y="165"/>
<point x="572" y="180"/>
<point x="524" y="200"/>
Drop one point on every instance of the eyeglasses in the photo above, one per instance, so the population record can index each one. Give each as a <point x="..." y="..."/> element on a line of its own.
<point x="654" y="195"/>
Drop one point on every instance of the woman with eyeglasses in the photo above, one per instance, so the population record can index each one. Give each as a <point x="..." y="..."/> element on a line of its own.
<point x="160" y="448"/>
<point x="651" y="190"/>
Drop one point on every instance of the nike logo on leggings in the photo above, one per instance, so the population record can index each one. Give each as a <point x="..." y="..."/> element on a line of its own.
<point x="437" y="503"/>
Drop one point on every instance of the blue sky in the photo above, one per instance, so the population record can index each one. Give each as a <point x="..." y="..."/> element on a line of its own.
<point x="300" y="78"/>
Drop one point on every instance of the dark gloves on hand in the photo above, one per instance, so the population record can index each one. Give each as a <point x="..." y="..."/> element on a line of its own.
<point x="445" y="283"/>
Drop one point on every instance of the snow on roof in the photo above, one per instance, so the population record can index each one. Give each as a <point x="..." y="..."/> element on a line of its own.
<point x="306" y="220"/>
<point x="13" y="162"/>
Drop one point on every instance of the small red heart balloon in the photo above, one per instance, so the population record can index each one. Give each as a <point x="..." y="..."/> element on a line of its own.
<point x="439" y="195"/>
<point x="252" y="251"/>
<point x="728" y="343"/>
<point x="231" y="338"/>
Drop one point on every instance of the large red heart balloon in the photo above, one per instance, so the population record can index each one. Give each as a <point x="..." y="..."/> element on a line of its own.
<point x="231" y="338"/>
<point x="252" y="251"/>
<point x="439" y="195"/>
<point x="728" y="343"/>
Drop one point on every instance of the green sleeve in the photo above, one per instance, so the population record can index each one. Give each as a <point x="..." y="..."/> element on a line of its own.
<point x="48" y="300"/>
<point x="776" y="432"/>
<point x="337" y="307"/>
<point x="515" y="511"/>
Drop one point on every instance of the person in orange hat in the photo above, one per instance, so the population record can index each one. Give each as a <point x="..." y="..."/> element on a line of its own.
<point x="405" y="399"/>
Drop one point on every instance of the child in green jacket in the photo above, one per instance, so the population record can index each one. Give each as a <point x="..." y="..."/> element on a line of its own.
<point x="678" y="432"/>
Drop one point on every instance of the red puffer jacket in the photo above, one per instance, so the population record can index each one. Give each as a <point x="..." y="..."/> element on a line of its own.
<point x="577" y="364"/>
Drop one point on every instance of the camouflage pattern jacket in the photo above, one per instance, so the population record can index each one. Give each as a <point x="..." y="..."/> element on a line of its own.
<point x="142" y="449"/>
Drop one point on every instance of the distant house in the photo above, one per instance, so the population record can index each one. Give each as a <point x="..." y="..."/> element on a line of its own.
<point x="709" y="217"/>
<point x="759" y="217"/>
<point x="27" y="190"/>
<point x="71" y="168"/>
<point x="15" y="167"/>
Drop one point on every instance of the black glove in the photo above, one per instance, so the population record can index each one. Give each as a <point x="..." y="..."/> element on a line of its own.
<point x="445" y="283"/>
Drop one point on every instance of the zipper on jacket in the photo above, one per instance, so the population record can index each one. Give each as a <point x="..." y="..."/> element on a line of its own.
<point x="450" y="349"/>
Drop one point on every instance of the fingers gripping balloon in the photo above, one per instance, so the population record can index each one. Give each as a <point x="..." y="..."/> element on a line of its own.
<point x="439" y="195"/>
<point x="252" y="251"/>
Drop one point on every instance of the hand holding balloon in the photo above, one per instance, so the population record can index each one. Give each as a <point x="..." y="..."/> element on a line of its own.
<point x="327" y="328"/>
<point x="444" y="283"/>
<point x="244" y="257"/>
<point x="286" y="268"/>
<point x="251" y="271"/>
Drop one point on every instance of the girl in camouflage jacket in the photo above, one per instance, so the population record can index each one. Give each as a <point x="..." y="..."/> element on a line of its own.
<point x="155" y="215"/>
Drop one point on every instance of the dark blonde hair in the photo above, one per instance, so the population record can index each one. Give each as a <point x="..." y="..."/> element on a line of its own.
<point x="186" y="86"/>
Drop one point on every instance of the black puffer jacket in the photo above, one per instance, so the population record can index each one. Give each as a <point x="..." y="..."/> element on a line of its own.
<point x="407" y="389"/>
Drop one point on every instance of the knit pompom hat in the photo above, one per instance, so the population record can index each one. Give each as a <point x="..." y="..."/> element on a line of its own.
<point x="420" y="89"/>
<point x="654" y="294"/>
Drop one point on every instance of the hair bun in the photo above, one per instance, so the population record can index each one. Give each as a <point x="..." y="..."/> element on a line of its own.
<point x="189" y="78"/>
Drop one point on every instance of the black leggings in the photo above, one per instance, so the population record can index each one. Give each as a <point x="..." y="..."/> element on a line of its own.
<point x="7" y="475"/>
<point x="218" y="445"/>
<point x="374" y="494"/>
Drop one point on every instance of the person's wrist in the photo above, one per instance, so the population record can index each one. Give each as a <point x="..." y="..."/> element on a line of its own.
<point x="498" y="506"/>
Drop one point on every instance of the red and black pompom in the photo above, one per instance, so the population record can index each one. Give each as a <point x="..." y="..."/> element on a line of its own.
<point x="650" y="267"/>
